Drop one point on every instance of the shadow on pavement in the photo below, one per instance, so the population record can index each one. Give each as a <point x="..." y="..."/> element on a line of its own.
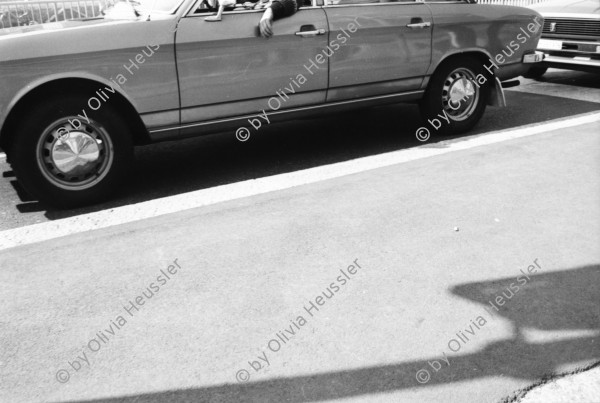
<point x="563" y="300"/>
<point x="571" y="78"/>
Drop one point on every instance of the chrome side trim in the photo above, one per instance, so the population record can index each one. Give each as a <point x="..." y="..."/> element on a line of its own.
<point x="163" y="118"/>
<point x="288" y="111"/>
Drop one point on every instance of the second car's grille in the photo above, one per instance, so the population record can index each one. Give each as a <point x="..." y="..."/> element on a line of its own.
<point x="557" y="26"/>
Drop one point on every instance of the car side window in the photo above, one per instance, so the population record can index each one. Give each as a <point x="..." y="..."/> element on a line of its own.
<point x="355" y="2"/>
<point x="204" y="7"/>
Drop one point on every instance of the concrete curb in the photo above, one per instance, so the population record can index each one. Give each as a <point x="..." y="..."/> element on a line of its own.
<point x="580" y="386"/>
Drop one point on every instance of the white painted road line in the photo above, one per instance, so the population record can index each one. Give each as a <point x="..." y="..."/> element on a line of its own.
<point x="173" y="204"/>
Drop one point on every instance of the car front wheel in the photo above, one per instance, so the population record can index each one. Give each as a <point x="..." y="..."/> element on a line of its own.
<point x="68" y="156"/>
<point x="456" y="97"/>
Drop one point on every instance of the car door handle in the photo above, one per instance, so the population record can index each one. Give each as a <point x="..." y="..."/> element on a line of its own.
<point x="418" y="23"/>
<point x="307" y="34"/>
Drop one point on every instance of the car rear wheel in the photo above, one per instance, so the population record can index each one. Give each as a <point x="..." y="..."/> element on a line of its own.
<point x="455" y="100"/>
<point x="535" y="72"/>
<point x="67" y="155"/>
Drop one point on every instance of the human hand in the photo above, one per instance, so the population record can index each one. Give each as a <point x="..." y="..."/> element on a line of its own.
<point x="266" y="23"/>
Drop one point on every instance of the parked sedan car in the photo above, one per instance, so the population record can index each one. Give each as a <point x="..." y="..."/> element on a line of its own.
<point x="571" y="36"/>
<point x="77" y="96"/>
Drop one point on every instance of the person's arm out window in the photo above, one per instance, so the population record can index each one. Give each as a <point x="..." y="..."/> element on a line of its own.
<point x="278" y="9"/>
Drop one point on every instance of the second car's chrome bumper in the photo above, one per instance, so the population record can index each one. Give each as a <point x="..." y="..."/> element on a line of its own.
<point x="577" y="60"/>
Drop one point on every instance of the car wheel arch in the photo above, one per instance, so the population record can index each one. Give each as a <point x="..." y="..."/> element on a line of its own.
<point x="479" y="54"/>
<point x="72" y="86"/>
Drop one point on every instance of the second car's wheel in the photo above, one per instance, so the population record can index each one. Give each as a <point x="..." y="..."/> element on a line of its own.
<point x="456" y="97"/>
<point x="68" y="156"/>
<point x="535" y="72"/>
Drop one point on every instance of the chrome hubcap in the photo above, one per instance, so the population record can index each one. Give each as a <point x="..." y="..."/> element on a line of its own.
<point x="460" y="94"/>
<point x="461" y="89"/>
<point x="75" y="157"/>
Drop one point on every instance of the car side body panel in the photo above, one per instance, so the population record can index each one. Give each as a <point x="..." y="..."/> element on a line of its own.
<point x="383" y="55"/>
<point x="134" y="58"/>
<point x="496" y="31"/>
<point x="227" y="69"/>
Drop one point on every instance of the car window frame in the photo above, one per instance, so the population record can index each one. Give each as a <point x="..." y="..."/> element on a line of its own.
<point x="172" y="11"/>
<point x="376" y="3"/>
<point x="192" y="11"/>
<point x="327" y="3"/>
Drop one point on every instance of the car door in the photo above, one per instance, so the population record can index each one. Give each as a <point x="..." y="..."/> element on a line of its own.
<point x="385" y="47"/>
<point x="227" y="69"/>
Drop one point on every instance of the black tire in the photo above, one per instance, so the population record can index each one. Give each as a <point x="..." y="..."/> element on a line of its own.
<point x="455" y="99"/>
<point x="68" y="163"/>
<point x="535" y="73"/>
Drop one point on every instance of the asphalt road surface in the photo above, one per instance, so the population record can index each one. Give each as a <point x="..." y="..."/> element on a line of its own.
<point x="457" y="270"/>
